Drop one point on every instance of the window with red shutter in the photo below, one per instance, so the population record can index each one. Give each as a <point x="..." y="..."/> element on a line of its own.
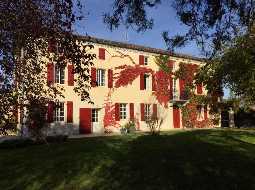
<point x="69" y="112"/>
<point x="70" y="75"/>
<point x="131" y="111"/>
<point x="110" y="78"/>
<point x="52" y="46"/>
<point x="182" y="89"/>
<point x="101" y="53"/>
<point x="50" y="74"/>
<point x="117" y="112"/>
<point x="142" y="112"/>
<point x="171" y="88"/>
<point x="93" y="77"/>
<point x="141" y="60"/>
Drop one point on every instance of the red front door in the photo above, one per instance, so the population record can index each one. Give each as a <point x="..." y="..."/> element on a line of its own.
<point x="85" y="120"/>
<point x="176" y="117"/>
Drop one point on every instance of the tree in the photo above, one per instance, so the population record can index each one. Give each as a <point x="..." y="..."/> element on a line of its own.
<point x="219" y="27"/>
<point x="27" y="29"/>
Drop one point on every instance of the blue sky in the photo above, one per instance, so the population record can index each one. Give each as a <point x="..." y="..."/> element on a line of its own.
<point x="164" y="17"/>
<point x="164" y="20"/>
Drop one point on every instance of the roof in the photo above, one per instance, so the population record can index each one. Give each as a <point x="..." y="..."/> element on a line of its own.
<point x="137" y="47"/>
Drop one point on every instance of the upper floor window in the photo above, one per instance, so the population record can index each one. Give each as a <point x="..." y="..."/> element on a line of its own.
<point x="94" y="115"/>
<point x="59" y="112"/>
<point x="174" y="89"/>
<point x="123" y="111"/>
<point x="147" y="82"/>
<point x="100" y="77"/>
<point x="147" y="111"/>
<point x="146" y="60"/>
<point x="59" y="74"/>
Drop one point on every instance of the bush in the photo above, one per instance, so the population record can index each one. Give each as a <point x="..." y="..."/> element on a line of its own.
<point x="129" y="127"/>
<point x="154" y="123"/>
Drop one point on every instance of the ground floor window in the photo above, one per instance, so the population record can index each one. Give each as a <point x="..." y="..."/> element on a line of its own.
<point x="147" y="111"/>
<point x="59" y="114"/>
<point x="123" y="111"/>
<point x="94" y="115"/>
<point x="200" y="112"/>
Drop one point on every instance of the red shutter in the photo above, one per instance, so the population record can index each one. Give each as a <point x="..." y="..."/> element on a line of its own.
<point x="131" y="111"/>
<point x="155" y="110"/>
<point x="141" y="81"/>
<point x="182" y="88"/>
<point x="110" y="78"/>
<point x="50" y="112"/>
<point x="141" y="60"/>
<point x="69" y="112"/>
<point x="70" y="75"/>
<point x="93" y="77"/>
<point x="102" y="53"/>
<point x="199" y="88"/>
<point x="117" y="112"/>
<point x="142" y="112"/>
<point x="171" y="88"/>
<point x="153" y="83"/>
<point x="205" y="112"/>
<point x="50" y="74"/>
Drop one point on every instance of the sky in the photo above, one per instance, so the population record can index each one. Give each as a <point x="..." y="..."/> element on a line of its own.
<point x="164" y="16"/>
<point x="164" y="20"/>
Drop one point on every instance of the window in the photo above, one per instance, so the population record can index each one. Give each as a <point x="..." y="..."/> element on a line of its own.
<point x="59" y="114"/>
<point x="59" y="74"/>
<point x="199" y="113"/>
<point x="100" y="77"/>
<point x="146" y="59"/>
<point x="123" y="111"/>
<point x="147" y="111"/>
<point x="94" y="115"/>
<point x="147" y="81"/>
<point x="175" y="95"/>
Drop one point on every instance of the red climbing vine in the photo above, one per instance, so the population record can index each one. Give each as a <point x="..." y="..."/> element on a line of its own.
<point x="109" y="115"/>
<point x="128" y="74"/>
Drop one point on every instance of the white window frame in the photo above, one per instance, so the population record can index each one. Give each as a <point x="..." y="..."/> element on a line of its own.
<point x="95" y="115"/>
<point x="147" y="111"/>
<point x="147" y="81"/>
<point x="146" y="60"/>
<point x="123" y="111"/>
<point x="100" y="77"/>
<point x="59" y="75"/>
<point x="59" y="112"/>
<point x="175" y="92"/>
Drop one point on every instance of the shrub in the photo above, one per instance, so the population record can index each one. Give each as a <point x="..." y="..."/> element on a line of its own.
<point x="154" y="123"/>
<point x="128" y="127"/>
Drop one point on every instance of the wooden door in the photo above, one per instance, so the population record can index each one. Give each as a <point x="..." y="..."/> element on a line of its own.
<point x="85" y="120"/>
<point x="176" y="117"/>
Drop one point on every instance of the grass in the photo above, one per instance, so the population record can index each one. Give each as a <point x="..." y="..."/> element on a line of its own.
<point x="199" y="160"/>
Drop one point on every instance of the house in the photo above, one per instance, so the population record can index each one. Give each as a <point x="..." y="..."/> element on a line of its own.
<point x="115" y="106"/>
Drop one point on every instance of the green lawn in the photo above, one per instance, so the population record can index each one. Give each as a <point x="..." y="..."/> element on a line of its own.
<point x="189" y="160"/>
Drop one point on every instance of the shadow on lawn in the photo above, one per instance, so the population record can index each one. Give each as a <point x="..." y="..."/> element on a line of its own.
<point x="181" y="161"/>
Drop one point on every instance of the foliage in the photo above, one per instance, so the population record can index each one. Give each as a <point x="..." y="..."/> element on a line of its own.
<point x="154" y="124"/>
<point x="28" y="28"/>
<point x="128" y="74"/>
<point x="109" y="115"/>
<point x="129" y="127"/>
